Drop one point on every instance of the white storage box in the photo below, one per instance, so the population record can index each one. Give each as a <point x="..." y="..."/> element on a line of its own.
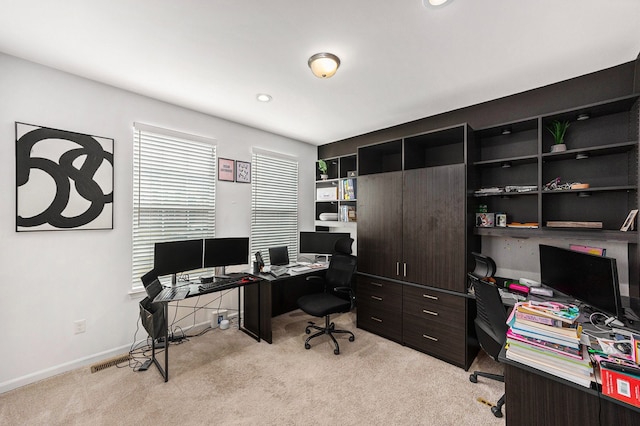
<point x="327" y="194"/>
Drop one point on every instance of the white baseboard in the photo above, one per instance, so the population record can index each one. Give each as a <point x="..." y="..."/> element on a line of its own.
<point x="81" y="362"/>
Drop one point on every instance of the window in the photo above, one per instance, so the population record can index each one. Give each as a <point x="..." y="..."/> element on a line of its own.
<point x="274" y="203"/>
<point x="174" y="176"/>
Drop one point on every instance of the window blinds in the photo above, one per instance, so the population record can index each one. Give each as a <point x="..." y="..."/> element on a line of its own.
<point x="274" y="204"/>
<point x="174" y="176"/>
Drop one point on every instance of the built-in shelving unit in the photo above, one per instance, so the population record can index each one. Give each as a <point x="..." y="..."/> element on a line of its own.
<point x="602" y="151"/>
<point x="337" y="195"/>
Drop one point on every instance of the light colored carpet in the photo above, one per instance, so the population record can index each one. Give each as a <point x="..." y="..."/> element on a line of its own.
<point x="225" y="377"/>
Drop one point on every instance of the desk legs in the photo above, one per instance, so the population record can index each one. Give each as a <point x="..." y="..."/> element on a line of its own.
<point x="255" y="334"/>
<point x="164" y="372"/>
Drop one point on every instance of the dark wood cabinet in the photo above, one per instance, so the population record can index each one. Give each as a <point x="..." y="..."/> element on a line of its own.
<point x="434" y="322"/>
<point x="380" y="224"/>
<point x="379" y="307"/>
<point x="536" y="398"/>
<point x="413" y="214"/>
<point x="414" y="228"/>
<point x="434" y="228"/>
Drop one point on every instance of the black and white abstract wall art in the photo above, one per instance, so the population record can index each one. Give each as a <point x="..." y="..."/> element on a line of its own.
<point x="64" y="180"/>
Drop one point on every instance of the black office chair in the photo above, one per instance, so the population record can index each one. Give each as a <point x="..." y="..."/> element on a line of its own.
<point x="491" y="328"/>
<point x="338" y="296"/>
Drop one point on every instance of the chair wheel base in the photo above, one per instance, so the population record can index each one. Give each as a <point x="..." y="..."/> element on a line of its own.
<point x="307" y="346"/>
<point x="473" y="378"/>
<point x="496" y="412"/>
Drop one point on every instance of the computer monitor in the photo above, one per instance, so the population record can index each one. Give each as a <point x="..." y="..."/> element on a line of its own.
<point x="320" y="243"/>
<point x="278" y="256"/>
<point x="172" y="257"/>
<point x="589" y="278"/>
<point x="223" y="252"/>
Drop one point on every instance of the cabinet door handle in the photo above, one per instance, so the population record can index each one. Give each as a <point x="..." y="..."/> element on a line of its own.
<point x="435" y="314"/>
<point x="376" y="319"/>
<point x="378" y="298"/>
<point x="397" y="268"/>
<point x="429" y="337"/>
<point x="405" y="269"/>
<point x="428" y="296"/>
<point x="376" y="284"/>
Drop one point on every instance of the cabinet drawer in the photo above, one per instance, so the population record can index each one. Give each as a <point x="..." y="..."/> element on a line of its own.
<point x="381" y="321"/>
<point x="376" y="287"/>
<point x="444" y="341"/>
<point x="435" y="307"/>
<point x="380" y="307"/>
<point x="430" y="298"/>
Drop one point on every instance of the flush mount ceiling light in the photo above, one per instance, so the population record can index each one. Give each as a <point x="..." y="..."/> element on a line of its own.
<point x="324" y="65"/>
<point x="263" y="97"/>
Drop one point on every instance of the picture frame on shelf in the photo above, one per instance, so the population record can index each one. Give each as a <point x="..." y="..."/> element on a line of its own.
<point x="628" y="222"/>
<point x="226" y="169"/>
<point x="243" y="171"/>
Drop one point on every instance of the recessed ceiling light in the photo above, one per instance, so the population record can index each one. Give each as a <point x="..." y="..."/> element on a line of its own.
<point x="263" y="97"/>
<point x="435" y="3"/>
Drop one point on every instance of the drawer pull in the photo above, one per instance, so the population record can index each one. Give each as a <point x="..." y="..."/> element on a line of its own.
<point x="376" y="319"/>
<point x="429" y="337"/>
<point x="428" y="296"/>
<point x="435" y="314"/>
<point x="376" y="284"/>
<point x="377" y="298"/>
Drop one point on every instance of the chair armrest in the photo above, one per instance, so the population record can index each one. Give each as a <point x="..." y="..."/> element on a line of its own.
<point x="349" y="291"/>
<point x="315" y="278"/>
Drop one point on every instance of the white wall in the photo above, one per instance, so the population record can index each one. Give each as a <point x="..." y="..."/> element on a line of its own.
<point x="53" y="278"/>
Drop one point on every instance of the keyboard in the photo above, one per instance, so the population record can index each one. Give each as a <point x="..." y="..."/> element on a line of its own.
<point x="173" y="293"/>
<point x="301" y="269"/>
<point x="223" y="282"/>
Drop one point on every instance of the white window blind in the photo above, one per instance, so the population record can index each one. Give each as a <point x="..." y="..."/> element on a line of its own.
<point x="274" y="204"/>
<point x="174" y="176"/>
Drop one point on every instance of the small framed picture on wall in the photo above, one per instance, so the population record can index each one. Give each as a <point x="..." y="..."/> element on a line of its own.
<point x="225" y="169"/>
<point x="243" y="172"/>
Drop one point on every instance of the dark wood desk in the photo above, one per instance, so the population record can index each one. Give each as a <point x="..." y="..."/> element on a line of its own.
<point x="276" y="297"/>
<point x="534" y="397"/>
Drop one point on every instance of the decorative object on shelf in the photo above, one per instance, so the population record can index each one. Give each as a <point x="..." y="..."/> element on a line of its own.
<point x="328" y="216"/>
<point x="501" y="220"/>
<point x="226" y="169"/>
<point x="322" y="166"/>
<point x="573" y="224"/>
<point x="327" y="194"/>
<point x="558" y="129"/>
<point x="629" y="221"/>
<point x="64" y="180"/>
<point x="243" y="171"/>
<point x="324" y="65"/>
<point x="485" y="220"/>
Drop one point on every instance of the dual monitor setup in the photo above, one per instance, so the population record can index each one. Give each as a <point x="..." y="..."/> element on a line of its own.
<point x="175" y="257"/>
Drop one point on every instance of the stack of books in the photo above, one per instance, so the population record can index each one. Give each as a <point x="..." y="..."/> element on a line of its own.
<point x="546" y="336"/>
<point x="348" y="189"/>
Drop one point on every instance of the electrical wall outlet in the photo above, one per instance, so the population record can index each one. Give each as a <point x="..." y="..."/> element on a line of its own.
<point x="80" y="326"/>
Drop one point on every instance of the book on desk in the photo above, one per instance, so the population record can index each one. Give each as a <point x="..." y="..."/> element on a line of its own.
<point x="546" y="336"/>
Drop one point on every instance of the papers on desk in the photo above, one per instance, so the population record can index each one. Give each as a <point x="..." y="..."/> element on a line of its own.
<point x="547" y="337"/>
<point x="308" y="267"/>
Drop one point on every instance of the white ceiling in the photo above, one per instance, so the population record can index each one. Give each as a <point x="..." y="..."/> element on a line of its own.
<point x="400" y="60"/>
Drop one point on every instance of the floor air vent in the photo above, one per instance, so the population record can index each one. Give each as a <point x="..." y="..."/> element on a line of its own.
<point x="110" y="362"/>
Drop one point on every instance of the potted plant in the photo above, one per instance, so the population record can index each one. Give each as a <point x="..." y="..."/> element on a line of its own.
<point x="558" y="130"/>
<point x="322" y="166"/>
